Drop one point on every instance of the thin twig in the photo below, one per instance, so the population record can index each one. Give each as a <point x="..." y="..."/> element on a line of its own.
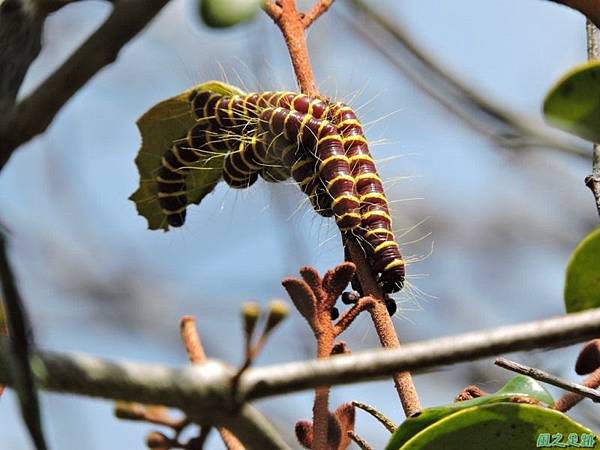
<point x="546" y="377"/>
<point x="385" y="421"/>
<point x="593" y="180"/>
<point x="272" y="9"/>
<point x="507" y="128"/>
<point x="359" y="441"/>
<point x="34" y="114"/>
<point x="204" y="389"/>
<point x="21" y="349"/>
<point x="20" y="34"/>
<point x="3" y="332"/>
<point x="315" y="12"/>
<point x="567" y="401"/>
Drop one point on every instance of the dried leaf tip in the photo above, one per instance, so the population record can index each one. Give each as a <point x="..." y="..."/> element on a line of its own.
<point x="158" y="441"/>
<point x="589" y="358"/>
<point x="304" y="433"/>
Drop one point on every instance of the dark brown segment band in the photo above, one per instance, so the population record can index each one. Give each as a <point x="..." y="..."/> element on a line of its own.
<point x="382" y="249"/>
<point x="324" y="142"/>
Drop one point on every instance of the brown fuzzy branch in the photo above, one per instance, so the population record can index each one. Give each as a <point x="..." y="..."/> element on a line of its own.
<point x="385" y="328"/>
<point x="34" y="114"/>
<point x="363" y="304"/>
<point x="290" y="21"/>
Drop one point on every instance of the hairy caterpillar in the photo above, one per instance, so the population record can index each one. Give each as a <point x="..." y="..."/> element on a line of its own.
<point x="376" y="222"/>
<point x="239" y="137"/>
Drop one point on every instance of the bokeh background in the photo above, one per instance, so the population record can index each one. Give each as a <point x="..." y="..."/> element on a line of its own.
<point x="490" y="229"/>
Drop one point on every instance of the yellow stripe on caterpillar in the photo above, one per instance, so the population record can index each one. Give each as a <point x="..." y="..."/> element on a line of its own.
<point x="306" y="181"/>
<point x="395" y="263"/>
<point x="352" y="122"/>
<point x="166" y="164"/>
<point x="169" y="212"/>
<point x="323" y="124"/>
<point x="376" y="212"/>
<point x="339" y="198"/>
<point x="361" y="157"/>
<point x="285" y="128"/>
<point x="330" y="137"/>
<point x="383" y="245"/>
<point x="355" y="138"/>
<point x="331" y="159"/>
<point x="367" y="176"/>
<point x="232" y="101"/>
<point x="248" y="163"/>
<point x="245" y="178"/>
<point x="175" y="151"/>
<point x="162" y="180"/>
<point x="171" y="194"/>
<point x="341" y="110"/>
<point x="273" y="115"/>
<point x="377" y="231"/>
<point x="343" y="216"/>
<point x="338" y="178"/>
<point x="302" y="126"/>
<point x="373" y="195"/>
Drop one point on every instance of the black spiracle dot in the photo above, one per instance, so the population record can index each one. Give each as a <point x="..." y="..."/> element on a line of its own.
<point x="335" y="313"/>
<point x="391" y="306"/>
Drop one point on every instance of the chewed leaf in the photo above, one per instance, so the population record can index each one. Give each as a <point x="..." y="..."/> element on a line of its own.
<point x="503" y="426"/>
<point x="582" y="286"/>
<point x="160" y="126"/>
<point x="573" y="104"/>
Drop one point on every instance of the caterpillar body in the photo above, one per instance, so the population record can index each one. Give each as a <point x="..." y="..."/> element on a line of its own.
<point x="240" y="137"/>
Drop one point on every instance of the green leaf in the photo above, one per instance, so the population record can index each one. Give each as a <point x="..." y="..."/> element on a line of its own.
<point x="162" y="124"/>
<point x="501" y="426"/>
<point x="518" y="386"/>
<point x="227" y="13"/>
<point x="573" y="104"/>
<point x="582" y="286"/>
